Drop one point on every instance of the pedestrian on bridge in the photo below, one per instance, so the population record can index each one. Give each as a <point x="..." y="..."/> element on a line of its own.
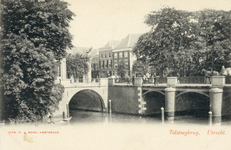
<point x="155" y="79"/>
<point x="133" y="79"/>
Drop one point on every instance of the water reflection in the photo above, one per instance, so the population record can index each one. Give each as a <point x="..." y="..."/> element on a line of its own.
<point x="90" y="117"/>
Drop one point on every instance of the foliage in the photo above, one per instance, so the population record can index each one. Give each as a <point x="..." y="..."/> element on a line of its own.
<point x="77" y="65"/>
<point x="172" y="31"/>
<point x="215" y="34"/>
<point x="34" y="34"/>
<point x="42" y="23"/>
<point x="122" y="68"/>
<point x="142" y="68"/>
<point x="186" y="42"/>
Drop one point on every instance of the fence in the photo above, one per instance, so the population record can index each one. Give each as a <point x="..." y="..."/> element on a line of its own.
<point x="194" y="80"/>
<point x="158" y="80"/>
<point x="122" y="80"/>
<point x="181" y="80"/>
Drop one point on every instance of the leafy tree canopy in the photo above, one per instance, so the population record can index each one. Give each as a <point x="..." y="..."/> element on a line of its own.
<point x="43" y="23"/>
<point x="142" y="68"/>
<point x="122" y="68"/>
<point x="214" y="34"/>
<point x="184" y="41"/>
<point x="34" y="34"/>
<point x="77" y="65"/>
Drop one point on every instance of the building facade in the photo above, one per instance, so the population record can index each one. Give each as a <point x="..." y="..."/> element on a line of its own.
<point x="123" y="52"/>
<point x="105" y="59"/>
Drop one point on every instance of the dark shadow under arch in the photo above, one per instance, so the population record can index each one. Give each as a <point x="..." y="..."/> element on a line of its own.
<point x="192" y="92"/>
<point x="154" y="101"/>
<point x="87" y="100"/>
<point x="192" y="103"/>
<point x="153" y="91"/>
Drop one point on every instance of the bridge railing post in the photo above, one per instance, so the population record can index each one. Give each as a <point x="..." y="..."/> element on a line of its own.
<point x="171" y="81"/>
<point x="111" y="81"/>
<point x="104" y="81"/>
<point x="218" y="81"/>
<point x="138" y="81"/>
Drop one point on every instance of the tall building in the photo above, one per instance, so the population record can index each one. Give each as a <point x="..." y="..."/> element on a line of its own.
<point x="105" y="59"/>
<point x="123" y="52"/>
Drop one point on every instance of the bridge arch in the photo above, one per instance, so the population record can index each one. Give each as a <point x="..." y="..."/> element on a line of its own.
<point x="193" y="104"/>
<point x="154" y="100"/>
<point x="87" y="99"/>
<point x="153" y="91"/>
<point x="192" y="92"/>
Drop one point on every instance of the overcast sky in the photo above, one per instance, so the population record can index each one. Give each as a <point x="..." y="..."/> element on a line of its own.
<point x="98" y="21"/>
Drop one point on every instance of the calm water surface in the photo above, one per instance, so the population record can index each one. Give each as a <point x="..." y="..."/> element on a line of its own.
<point x="80" y="117"/>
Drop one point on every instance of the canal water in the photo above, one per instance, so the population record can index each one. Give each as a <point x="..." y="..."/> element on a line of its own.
<point x="91" y="117"/>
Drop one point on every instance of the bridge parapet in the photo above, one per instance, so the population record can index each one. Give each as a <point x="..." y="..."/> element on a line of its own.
<point x="218" y="81"/>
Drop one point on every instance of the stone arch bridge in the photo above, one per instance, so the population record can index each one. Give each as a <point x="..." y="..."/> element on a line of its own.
<point x="76" y="93"/>
<point x="130" y="99"/>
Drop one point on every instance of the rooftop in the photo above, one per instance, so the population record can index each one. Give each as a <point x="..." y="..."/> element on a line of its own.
<point x="129" y="41"/>
<point x="85" y="51"/>
<point x="110" y="45"/>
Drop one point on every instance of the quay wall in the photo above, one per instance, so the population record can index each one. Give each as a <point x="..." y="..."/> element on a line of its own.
<point x="124" y="99"/>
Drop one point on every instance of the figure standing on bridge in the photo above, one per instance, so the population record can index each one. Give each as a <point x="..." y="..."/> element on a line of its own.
<point x="133" y="79"/>
<point x="155" y="79"/>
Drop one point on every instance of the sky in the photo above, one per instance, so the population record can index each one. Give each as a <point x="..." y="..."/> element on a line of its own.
<point x="99" y="21"/>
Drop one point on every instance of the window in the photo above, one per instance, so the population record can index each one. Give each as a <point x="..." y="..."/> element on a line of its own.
<point x="121" y="55"/>
<point x="101" y="55"/>
<point x="105" y="55"/>
<point x="105" y="64"/>
<point x="115" y="55"/>
<point x="109" y="54"/>
<point x="102" y="64"/>
<point x="125" y="54"/>
<point x="109" y="63"/>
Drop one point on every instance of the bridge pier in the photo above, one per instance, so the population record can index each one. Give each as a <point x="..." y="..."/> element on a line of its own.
<point x="170" y="104"/>
<point x="216" y="104"/>
<point x="216" y="94"/>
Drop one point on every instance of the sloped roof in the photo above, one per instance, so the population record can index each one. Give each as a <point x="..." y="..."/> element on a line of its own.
<point x="111" y="44"/>
<point x="80" y="50"/>
<point x="85" y="51"/>
<point x="129" y="41"/>
<point x="94" y="53"/>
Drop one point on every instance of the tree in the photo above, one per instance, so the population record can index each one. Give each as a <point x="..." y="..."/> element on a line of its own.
<point x="77" y="65"/>
<point x="122" y="68"/>
<point x="142" y="68"/>
<point x="215" y="34"/>
<point x="172" y="31"/>
<point x="186" y="42"/>
<point x="34" y="34"/>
